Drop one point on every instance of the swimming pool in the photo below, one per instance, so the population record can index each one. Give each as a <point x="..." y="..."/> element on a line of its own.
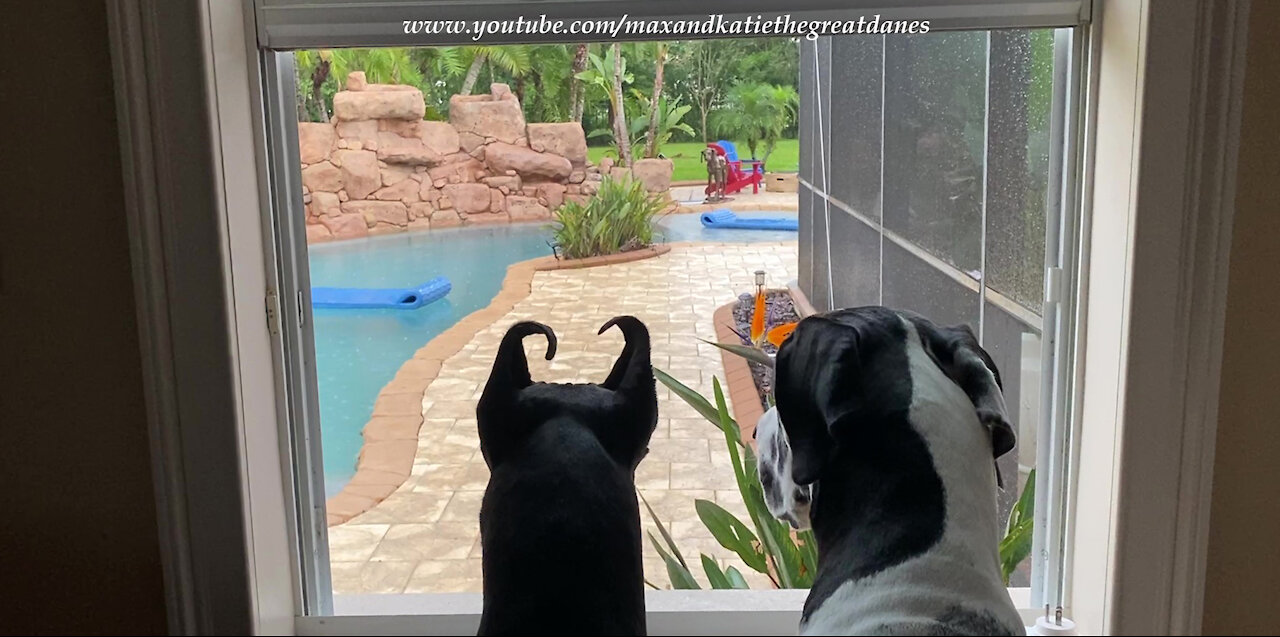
<point x="358" y="351"/>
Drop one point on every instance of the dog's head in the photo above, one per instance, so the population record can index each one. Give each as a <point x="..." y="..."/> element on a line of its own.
<point x="842" y="372"/>
<point x="621" y="412"/>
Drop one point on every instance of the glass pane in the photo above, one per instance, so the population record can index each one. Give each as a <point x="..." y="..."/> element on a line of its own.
<point x="1018" y="163"/>
<point x="412" y="170"/>
<point x="855" y="261"/>
<point x="1013" y="341"/>
<point x="934" y="134"/>
<point x="911" y="283"/>
<point x="856" y="97"/>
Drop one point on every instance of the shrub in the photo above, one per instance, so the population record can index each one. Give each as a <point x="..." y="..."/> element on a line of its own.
<point x="619" y="218"/>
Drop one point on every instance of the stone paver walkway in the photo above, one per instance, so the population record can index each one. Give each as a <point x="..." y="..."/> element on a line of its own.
<point x="690" y="199"/>
<point x="424" y="538"/>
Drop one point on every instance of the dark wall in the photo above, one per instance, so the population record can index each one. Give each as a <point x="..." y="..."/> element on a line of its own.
<point x="79" y="550"/>
<point x="1242" y="587"/>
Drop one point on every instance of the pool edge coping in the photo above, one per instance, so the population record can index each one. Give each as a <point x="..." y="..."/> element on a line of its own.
<point x="390" y="437"/>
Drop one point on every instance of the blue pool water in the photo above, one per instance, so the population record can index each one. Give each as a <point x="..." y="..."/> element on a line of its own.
<point x="358" y="351"/>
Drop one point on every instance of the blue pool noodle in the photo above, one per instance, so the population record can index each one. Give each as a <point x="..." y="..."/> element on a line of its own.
<point x="378" y="298"/>
<point x="726" y="219"/>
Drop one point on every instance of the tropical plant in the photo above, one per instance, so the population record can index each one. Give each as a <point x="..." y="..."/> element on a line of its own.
<point x="655" y="129"/>
<point x="607" y="75"/>
<point x="618" y="218"/>
<point x="767" y="545"/>
<point x="758" y="114"/>
<point x="1016" y="545"/>
<point x="541" y="88"/>
<point x="793" y="558"/>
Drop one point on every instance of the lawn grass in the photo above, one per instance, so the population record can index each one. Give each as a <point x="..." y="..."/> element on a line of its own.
<point x="688" y="158"/>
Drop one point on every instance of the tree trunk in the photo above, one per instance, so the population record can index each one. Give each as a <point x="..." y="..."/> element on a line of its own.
<point x="619" y="110"/>
<point x="703" y="102"/>
<point x="519" y="91"/>
<point x="577" y="92"/>
<point x="650" y="139"/>
<point x="318" y="76"/>
<point x="473" y="73"/>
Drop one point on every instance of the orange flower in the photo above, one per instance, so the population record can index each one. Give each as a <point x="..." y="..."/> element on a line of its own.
<point x="780" y="333"/>
<point x="757" y="318"/>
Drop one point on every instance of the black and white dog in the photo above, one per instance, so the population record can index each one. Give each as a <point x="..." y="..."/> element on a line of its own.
<point x="559" y="523"/>
<point x="882" y="441"/>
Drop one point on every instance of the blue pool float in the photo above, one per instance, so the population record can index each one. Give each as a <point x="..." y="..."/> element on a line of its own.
<point x="396" y="298"/>
<point x="726" y="219"/>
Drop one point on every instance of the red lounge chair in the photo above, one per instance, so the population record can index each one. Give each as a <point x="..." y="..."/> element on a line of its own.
<point x="736" y="178"/>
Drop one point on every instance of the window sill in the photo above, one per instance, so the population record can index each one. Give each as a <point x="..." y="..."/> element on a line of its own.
<point x="718" y="612"/>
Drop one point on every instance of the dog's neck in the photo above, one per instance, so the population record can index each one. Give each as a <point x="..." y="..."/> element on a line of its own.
<point x="913" y="494"/>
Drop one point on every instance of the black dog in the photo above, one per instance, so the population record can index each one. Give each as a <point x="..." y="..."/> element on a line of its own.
<point x="559" y="523"/>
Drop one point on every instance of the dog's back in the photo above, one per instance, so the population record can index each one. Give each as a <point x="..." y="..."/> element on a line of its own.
<point x="560" y="531"/>
<point x="559" y="523"/>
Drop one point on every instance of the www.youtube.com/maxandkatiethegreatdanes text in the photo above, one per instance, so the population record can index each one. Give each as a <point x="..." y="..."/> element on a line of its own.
<point x="626" y="26"/>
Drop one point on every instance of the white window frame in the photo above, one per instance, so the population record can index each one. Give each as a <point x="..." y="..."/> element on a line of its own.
<point x="1158" y="174"/>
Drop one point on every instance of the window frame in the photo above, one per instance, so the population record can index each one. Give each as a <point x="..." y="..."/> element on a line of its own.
<point x="187" y="78"/>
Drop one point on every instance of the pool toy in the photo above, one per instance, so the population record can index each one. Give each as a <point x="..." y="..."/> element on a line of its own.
<point x="395" y="298"/>
<point x="726" y="219"/>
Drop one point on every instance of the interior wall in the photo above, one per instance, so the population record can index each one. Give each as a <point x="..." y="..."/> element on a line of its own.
<point x="79" y="550"/>
<point x="1242" y="587"/>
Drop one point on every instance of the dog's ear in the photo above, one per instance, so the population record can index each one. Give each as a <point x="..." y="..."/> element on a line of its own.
<point x="636" y="397"/>
<point x="963" y="360"/>
<point x="814" y="370"/>
<point x="499" y="424"/>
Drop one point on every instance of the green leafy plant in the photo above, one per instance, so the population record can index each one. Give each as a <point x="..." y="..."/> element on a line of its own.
<point x="607" y="75"/>
<point x="766" y="545"/>
<point x="661" y="125"/>
<point x="758" y="114"/>
<point x="1016" y="545"/>
<point x="618" y="218"/>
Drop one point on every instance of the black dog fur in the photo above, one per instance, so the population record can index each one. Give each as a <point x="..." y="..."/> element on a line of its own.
<point x="560" y="523"/>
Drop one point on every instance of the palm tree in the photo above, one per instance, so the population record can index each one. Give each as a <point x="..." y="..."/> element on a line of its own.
<point x="620" y="109"/>
<point x="757" y="114"/>
<point x="511" y="58"/>
<point x="314" y="66"/>
<point x="785" y="102"/>
<point x="380" y="66"/>
<point x="660" y="61"/>
<point x="577" y="92"/>
<point x="607" y="75"/>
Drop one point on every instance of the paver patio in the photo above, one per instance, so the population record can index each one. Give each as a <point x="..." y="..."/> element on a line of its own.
<point x="425" y="537"/>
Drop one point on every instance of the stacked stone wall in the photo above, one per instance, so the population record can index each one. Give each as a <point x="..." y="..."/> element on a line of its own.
<point x="378" y="167"/>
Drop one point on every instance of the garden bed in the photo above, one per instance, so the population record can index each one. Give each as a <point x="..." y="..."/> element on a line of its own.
<point x="779" y="309"/>
<point x="749" y="383"/>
